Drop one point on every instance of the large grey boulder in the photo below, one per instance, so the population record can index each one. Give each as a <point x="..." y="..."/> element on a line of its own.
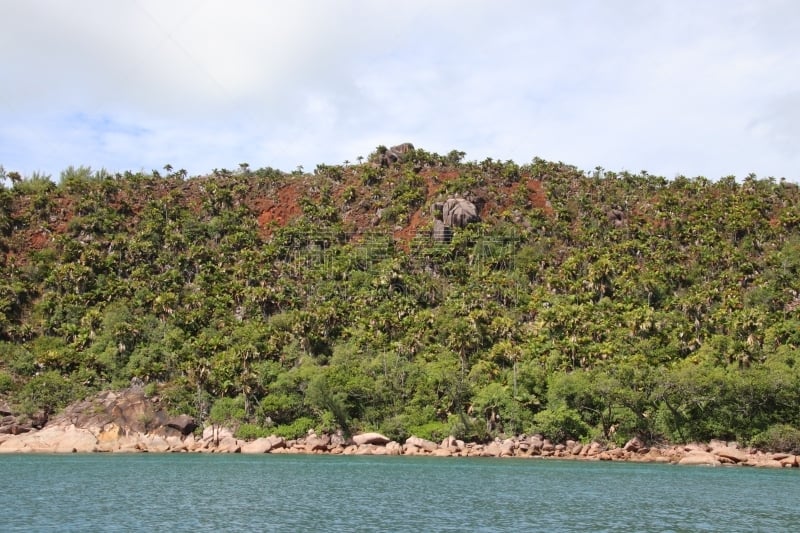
<point x="455" y="212"/>
<point x="441" y="233"/>
<point x="370" y="438"/>
<point x="185" y="424"/>
<point x="458" y="212"/>
<point x="421" y="443"/>
<point x="394" y="154"/>
<point x="260" y="445"/>
<point x="697" y="457"/>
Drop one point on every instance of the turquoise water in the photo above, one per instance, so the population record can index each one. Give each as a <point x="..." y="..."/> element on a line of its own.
<point x="182" y="492"/>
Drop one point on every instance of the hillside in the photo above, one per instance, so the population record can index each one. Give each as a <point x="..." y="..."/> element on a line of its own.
<point x="587" y="305"/>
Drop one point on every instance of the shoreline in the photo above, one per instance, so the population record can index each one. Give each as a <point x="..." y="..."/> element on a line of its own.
<point x="64" y="439"/>
<point x="127" y="421"/>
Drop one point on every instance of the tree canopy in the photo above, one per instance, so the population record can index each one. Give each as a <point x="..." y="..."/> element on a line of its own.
<point x="584" y="304"/>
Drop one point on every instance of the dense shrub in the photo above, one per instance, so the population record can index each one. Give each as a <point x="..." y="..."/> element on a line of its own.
<point x="778" y="438"/>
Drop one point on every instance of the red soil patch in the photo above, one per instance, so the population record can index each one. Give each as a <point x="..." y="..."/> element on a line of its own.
<point x="280" y="210"/>
<point x="37" y="241"/>
<point x="433" y="182"/>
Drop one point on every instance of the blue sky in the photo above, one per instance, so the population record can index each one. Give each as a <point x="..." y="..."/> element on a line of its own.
<point x="672" y="87"/>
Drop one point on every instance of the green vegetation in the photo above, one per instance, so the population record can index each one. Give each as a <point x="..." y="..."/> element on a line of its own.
<point x="584" y="305"/>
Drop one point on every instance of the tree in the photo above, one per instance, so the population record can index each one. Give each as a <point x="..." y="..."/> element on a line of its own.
<point x="226" y="412"/>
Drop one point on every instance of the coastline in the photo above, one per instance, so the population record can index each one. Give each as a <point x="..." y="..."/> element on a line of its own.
<point x="113" y="439"/>
<point x="128" y="421"/>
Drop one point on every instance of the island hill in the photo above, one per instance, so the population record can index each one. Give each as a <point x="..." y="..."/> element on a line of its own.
<point x="409" y="295"/>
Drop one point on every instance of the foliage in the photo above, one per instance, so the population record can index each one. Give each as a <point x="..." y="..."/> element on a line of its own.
<point x="251" y="432"/>
<point x="586" y="305"/>
<point x="778" y="438"/>
<point x="560" y="423"/>
<point x="298" y="428"/>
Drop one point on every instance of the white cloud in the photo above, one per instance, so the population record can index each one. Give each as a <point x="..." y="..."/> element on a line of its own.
<point x="674" y="87"/>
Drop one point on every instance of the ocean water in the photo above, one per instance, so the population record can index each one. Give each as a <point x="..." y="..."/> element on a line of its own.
<point x="190" y="492"/>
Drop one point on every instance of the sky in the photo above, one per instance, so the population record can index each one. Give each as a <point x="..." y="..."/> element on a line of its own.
<point x="696" y="88"/>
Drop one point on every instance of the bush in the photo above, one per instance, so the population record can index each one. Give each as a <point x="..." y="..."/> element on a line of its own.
<point x="560" y="424"/>
<point x="778" y="438"/>
<point x="433" y="431"/>
<point x="6" y="382"/>
<point x="48" y="392"/>
<point x="394" y="428"/>
<point x="298" y="428"/>
<point x="251" y="432"/>
<point x="227" y="412"/>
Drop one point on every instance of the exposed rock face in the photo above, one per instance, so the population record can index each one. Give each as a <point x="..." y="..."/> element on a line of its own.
<point x="441" y="233"/>
<point x="101" y="424"/>
<point x="455" y="212"/>
<point x="394" y="154"/>
<point x="422" y="444"/>
<point x="616" y="217"/>
<point x="12" y="423"/>
<point x="130" y="409"/>
<point x="185" y="424"/>
<point x="370" y="438"/>
<point x="458" y="212"/>
<point x="697" y="457"/>
<point x="732" y="454"/>
<point x="633" y="445"/>
<point x="260" y="445"/>
<point x="316" y="443"/>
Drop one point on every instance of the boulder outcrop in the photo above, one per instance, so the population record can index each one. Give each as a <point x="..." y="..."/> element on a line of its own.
<point x="370" y="438"/>
<point x="392" y="155"/>
<point x="129" y="422"/>
<point x="452" y="213"/>
<point x="458" y="212"/>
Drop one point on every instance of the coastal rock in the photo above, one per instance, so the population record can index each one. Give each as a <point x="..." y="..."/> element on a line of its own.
<point x="764" y="462"/>
<point x="276" y="442"/>
<point x="370" y="438"/>
<point x="315" y="443"/>
<point x="410" y="449"/>
<point x="111" y="432"/>
<point x="394" y="448"/>
<point x="633" y="445"/>
<point x="185" y="424"/>
<point x="153" y="444"/>
<point x="73" y="440"/>
<point x="453" y="444"/>
<point x="188" y="444"/>
<point x="338" y="440"/>
<point x="737" y="456"/>
<point x="229" y="445"/>
<point x="491" y="450"/>
<point x="364" y="449"/>
<point x="507" y="448"/>
<point x="700" y="458"/>
<point x="616" y="453"/>
<point x="215" y="433"/>
<point x="176" y="444"/>
<point x="423" y="444"/>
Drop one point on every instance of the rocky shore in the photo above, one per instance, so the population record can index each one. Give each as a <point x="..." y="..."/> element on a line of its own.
<point x="128" y="422"/>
